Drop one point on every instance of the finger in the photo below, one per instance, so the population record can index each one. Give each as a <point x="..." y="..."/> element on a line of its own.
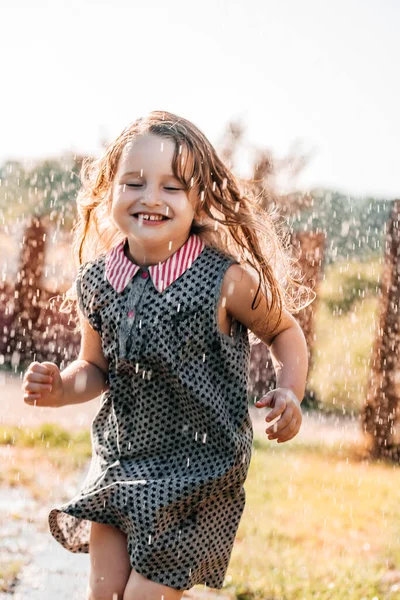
<point x="286" y="417"/>
<point x="40" y="368"/>
<point x="272" y="430"/>
<point x="41" y="378"/>
<point x="266" y="400"/>
<point x="31" y="393"/>
<point x="38" y="378"/>
<point x="33" y="364"/>
<point x="283" y="431"/>
<point x="288" y="437"/>
<point x="37" y="387"/>
<point x="280" y="406"/>
<point x="50" y="367"/>
<point x="289" y="432"/>
<point x="31" y="398"/>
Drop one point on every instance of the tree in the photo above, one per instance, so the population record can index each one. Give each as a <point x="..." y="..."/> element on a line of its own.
<point x="381" y="407"/>
<point x="41" y="198"/>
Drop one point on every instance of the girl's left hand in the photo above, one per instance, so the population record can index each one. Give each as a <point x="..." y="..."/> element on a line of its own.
<point x="284" y="404"/>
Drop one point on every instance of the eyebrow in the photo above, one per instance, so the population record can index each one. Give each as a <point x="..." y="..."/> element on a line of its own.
<point x="135" y="173"/>
<point x="140" y="174"/>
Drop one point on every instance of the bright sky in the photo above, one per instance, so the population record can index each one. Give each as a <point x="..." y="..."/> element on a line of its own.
<point x="322" y="73"/>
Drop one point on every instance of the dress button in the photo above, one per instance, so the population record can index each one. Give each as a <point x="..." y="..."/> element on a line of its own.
<point x="131" y="313"/>
<point x="145" y="274"/>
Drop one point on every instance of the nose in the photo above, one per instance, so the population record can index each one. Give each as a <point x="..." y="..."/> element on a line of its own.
<point x="151" y="197"/>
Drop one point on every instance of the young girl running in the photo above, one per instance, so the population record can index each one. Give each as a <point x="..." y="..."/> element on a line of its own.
<point x="177" y="265"/>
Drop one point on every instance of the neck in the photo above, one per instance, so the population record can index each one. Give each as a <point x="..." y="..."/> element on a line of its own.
<point x="144" y="257"/>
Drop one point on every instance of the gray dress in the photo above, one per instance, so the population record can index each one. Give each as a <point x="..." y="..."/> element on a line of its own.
<point x="172" y="439"/>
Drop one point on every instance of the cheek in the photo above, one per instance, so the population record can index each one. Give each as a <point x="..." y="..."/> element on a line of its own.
<point x="194" y="200"/>
<point x="116" y="194"/>
<point x="120" y="196"/>
<point x="117" y="207"/>
<point x="184" y="206"/>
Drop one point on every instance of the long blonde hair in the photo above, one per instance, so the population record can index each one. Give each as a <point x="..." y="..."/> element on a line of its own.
<point x="228" y="215"/>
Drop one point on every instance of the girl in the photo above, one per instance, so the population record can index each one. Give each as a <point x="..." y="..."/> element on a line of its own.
<point x="177" y="264"/>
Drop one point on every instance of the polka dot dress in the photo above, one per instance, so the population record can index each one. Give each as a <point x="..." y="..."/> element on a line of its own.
<point x="172" y="439"/>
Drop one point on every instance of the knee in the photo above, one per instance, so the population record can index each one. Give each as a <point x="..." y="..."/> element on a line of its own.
<point x="140" y="588"/>
<point x="100" y="588"/>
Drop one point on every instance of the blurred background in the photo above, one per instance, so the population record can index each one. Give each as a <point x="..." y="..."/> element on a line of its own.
<point x="302" y="100"/>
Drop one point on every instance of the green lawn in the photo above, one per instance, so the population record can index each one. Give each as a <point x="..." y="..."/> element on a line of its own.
<point x="318" y="523"/>
<point x="38" y="455"/>
<point x="345" y="329"/>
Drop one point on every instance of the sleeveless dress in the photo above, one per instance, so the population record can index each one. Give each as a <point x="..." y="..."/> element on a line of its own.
<point x="172" y="439"/>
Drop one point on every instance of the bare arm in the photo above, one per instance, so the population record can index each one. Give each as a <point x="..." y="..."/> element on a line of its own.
<point x="286" y="343"/>
<point x="86" y="377"/>
<point x="82" y="381"/>
<point x="289" y="356"/>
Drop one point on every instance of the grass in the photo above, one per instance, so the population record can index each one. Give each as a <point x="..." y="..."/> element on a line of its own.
<point x="36" y="457"/>
<point x="47" y="435"/>
<point x="318" y="523"/>
<point x="345" y="328"/>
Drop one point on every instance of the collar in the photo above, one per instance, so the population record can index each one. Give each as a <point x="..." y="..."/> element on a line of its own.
<point x="119" y="269"/>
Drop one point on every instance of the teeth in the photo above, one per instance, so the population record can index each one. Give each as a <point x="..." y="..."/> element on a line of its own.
<point x="151" y="217"/>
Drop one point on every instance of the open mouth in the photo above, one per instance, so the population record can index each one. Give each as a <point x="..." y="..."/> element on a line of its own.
<point x="150" y="219"/>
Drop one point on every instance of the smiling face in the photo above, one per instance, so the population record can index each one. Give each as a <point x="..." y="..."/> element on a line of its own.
<point x="149" y="205"/>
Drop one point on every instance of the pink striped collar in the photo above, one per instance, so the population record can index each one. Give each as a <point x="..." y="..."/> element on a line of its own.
<point x="120" y="270"/>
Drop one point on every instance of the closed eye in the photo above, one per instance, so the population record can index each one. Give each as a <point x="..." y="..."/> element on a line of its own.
<point x="169" y="188"/>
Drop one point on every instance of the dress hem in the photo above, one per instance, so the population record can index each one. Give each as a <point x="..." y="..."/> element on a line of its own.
<point x="85" y="549"/>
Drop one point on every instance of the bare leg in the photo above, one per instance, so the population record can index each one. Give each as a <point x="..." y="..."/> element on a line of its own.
<point x="109" y="563"/>
<point x="141" y="588"/>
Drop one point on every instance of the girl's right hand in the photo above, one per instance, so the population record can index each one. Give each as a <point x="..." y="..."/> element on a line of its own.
<point x="42" y="385"/>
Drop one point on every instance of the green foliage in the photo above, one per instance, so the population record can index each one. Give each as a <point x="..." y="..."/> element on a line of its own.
<point x="347" y="283"/>
<point x="351" y="291"/>
<point x="354" y="227"/>
<point x="49" y="187"/>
